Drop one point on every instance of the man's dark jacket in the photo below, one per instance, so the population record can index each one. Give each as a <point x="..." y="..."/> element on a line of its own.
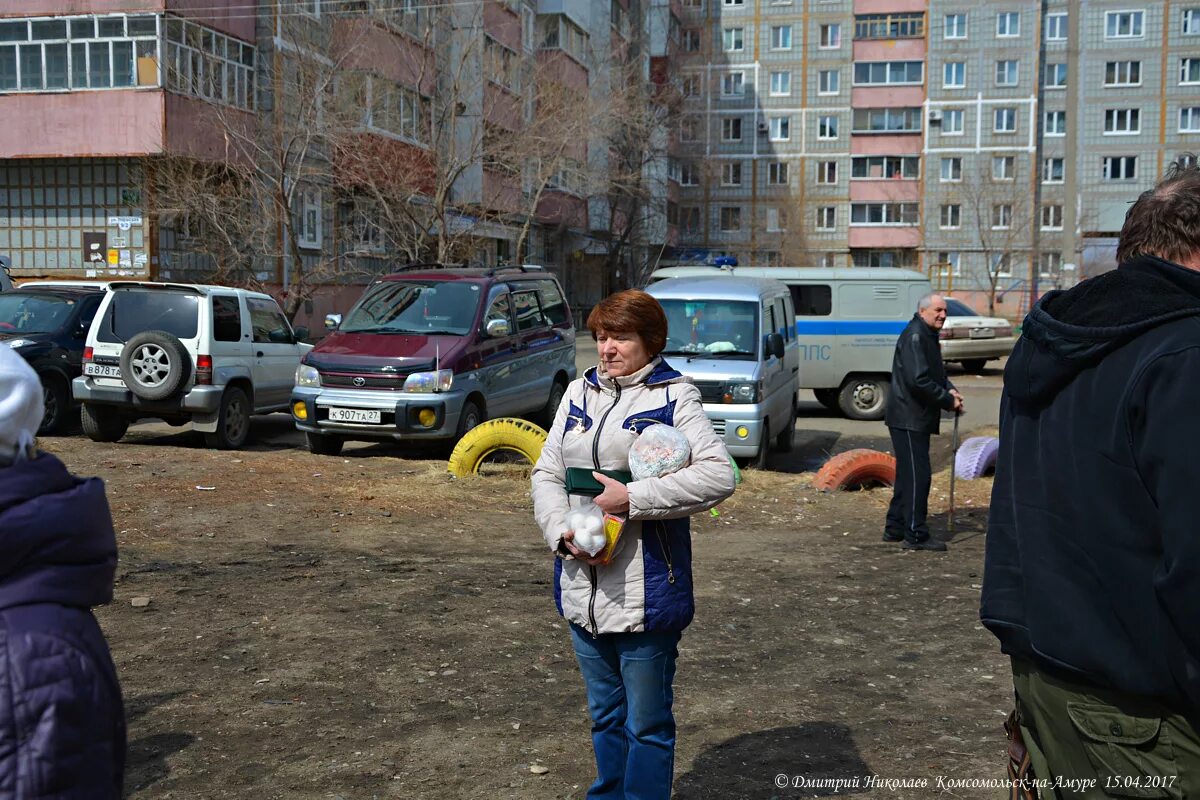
<point x="920" y="389"/>
<point x="1093" y="546"/>
<point x="62" y="724"/>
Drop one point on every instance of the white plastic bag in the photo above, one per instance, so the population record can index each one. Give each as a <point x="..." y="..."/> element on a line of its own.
<point x="587" y="523"/>
<point x="659" y="450"/>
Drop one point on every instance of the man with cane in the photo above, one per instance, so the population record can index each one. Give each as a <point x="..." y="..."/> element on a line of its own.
<point x="920" y="392"/>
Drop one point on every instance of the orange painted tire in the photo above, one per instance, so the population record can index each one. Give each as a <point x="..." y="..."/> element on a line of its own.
<point x="855" y="468"/>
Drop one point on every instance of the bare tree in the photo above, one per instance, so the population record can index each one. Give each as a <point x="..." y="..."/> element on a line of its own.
<point x="999" y="210"/>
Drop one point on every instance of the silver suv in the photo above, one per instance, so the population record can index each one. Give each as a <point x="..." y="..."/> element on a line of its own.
<point x="209" y="355"/>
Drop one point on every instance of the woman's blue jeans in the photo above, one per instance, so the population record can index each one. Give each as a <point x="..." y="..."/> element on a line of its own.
<point x="628" y="678"/>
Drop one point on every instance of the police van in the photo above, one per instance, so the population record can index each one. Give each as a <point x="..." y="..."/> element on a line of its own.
<point x="847" y="324"/>
<point x="736" y="339"/>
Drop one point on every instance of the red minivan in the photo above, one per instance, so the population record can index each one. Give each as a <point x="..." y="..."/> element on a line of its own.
<point x="429" y="352"/>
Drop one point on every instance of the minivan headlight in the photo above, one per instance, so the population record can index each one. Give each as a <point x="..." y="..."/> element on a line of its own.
<point x="307" y="376"/>
<point x="439" y="381"/>
<point x="745" y="392"/>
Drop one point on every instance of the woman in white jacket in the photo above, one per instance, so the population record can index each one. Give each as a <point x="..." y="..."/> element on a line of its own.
<point x="626" y="616"/>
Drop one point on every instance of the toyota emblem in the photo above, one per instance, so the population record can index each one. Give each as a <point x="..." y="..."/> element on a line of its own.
<point x="360" y="382"/>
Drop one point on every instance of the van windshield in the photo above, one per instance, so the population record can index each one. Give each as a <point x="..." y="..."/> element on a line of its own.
<point x="419" y="307"/>
<point x="712" y="328"/>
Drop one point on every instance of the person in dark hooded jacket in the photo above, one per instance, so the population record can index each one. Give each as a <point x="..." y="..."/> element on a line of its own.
<point x="62" y="723"/>
<point x="1092" y="567"/>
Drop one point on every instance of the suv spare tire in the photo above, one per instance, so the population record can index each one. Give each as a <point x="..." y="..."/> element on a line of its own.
<point x="155" y="365"/>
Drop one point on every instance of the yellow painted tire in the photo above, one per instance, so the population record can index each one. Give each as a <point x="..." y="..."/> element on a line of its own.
<point x="495" y="435"/>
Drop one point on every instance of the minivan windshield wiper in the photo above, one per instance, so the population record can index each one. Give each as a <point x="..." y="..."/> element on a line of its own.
<point x="724" y="354"/>
<point x="403" y="331"/>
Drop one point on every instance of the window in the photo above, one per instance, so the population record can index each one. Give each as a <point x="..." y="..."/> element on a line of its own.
<point x="731" y="218"/>
<point x="1052" y="218"/>
<point x="691" y="41"/>
<point x="731" y="174"/>
<point x="826" y="220"/>
<point x="887" y="120"/>
<point x="884" y="214"/>
<point x="1001" y="216"/>
<point x="780" y="129"/>
<point x="954" y="75"/>
<point x="198" y="62"/>
<point x="827" y="172"/>
<point x="1049" y="264"/>
<point x="874" y="73"/>
<point x="826" y="261"/>
<point x="1123" y="24"/>
<point x="227" y="318"/>
<point x="910" y="25"/>
<point x="1189" y="70"/>
<point x="829" y="81"/>
<point x="502" y="66"/>
<point x="831" y="36"/>
<point x="1056" y="76"/>
<point x="690" y="220"/>
<point x="1006" y="73"/>
<point x="1055" y="123"/>
<point x="1001" y="265"/>
<point x="558" y="33"/>
<point x="949" y="262"/>
<point x="954" y="26"/>
<point x="688" y="174"/>
<point x="776" y="220"/>
<point x="527" y="311"/>
<point x="878" y="257"/>
<point x="1052" y="170"/>
<point x="1003" y="168"/>
<point x="733" y="84"/>
<point x="1004" y="120"/>
<point x="554" y="307"/>
<point x="1122" y="121"/>
<point x="813" y="300"/>
<point x="1056" y="27"/>
<point x="777" y="173"/>
<point x="734" y="2"/>
<point x="689" y="129"/>
<point x="691" y="86"/>
<point x="389" y="107"/>
<point x="781" y="84"/>
<point x="1008" y="24"/>
<point x="951" y="216"/>
<point x="1191" y="22"/>
<point x="781" y="37"/>
<point x="731" y="129"/>
<point x="267" y="322"/>
<point x="827" y="128"/>
<point x="1189" y="119"/>
<point x="734" y="40"/>
<point x="1123" y="73"/>
<point x="891" y="167"/>
<point x="308" y="218"/>
<point x="952" y="122"/>
<point x="1120" y="168"/>
<point x="951" y="169"/>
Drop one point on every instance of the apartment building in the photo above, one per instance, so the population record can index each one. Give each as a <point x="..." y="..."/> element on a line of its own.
<point x="359" y="103"/>
<point x="995" y="145"/>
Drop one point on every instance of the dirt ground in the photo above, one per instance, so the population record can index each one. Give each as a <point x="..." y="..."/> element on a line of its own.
<point x="367" y="627"/>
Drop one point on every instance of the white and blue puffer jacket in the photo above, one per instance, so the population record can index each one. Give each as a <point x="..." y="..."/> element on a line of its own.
<point x="648" y="584"/>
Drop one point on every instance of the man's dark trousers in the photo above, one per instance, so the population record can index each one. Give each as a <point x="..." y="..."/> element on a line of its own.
<point x="910" y="495"/>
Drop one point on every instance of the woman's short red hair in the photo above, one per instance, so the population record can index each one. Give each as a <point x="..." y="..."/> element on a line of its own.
<point x="631" y="311"/>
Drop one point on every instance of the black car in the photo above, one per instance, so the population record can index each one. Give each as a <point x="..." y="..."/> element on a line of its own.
<point x="48" y="327"/>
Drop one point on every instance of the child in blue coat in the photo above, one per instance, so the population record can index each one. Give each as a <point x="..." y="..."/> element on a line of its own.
<point x="62" y="723"/>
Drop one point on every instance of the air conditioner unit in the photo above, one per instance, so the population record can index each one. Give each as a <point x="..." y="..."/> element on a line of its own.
<point x="762" y="127"/>
<point x="935" y="116"/>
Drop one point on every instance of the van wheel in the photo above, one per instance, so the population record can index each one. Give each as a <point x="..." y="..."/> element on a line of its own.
<point x="322" y="445"/>
<point x="233" y="421"/>
<point x="783" y="442"/>
<point x="864" y="397"/>
<point x="103" y="423"/>
<point x="546" y="417"/>
<point x="827" y="398"/>
<point x="975" y="366"/>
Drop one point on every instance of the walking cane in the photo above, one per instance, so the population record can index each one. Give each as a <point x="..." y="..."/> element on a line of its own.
<point x="953" y="458"/>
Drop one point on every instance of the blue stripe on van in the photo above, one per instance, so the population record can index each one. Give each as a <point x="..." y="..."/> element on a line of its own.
<point x="849" y="327"/>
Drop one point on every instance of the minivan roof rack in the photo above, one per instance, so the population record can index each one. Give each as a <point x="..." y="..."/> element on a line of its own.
<point x="517" y="268"/>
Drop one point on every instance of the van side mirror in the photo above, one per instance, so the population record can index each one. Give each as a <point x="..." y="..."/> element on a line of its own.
<point x="774" y="345"/>
<point x="302" y="333"/>
<point x="497" y="328"/>
<point x="333" y="321"/>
